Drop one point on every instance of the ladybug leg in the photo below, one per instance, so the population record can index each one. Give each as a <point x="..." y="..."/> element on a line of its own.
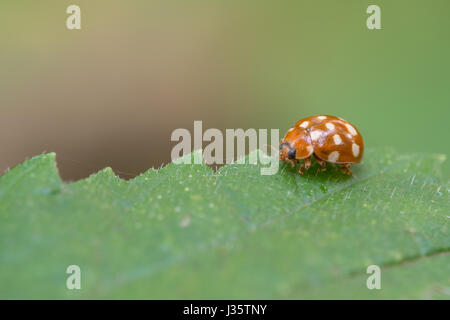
<point x="345" y="168"/>
<point x="322" y="165"/>
<point x="292" y="162"/>
<point x="305" y="165"/>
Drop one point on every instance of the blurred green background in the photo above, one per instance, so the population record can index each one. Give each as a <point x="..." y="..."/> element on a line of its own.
<point x="112" y="93"/>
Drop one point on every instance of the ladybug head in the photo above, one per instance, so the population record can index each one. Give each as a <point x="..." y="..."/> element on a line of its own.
<point x="287" y="152"/>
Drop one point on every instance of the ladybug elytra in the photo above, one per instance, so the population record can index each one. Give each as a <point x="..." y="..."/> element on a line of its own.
<point x="328" y="138"/>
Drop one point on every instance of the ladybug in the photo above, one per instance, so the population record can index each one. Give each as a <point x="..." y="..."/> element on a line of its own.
<point x="328" y="138"/>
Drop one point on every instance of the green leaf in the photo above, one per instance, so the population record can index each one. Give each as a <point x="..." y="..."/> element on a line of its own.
<point x="186" y="232"/>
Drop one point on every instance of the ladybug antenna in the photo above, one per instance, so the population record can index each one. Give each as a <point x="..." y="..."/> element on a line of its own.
<point x="274" y="150"/>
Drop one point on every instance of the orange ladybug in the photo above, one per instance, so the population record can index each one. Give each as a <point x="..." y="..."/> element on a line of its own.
<point x="328" y="138"/>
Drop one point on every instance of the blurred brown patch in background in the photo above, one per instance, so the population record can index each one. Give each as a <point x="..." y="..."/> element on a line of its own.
<point x="112" y="93"/>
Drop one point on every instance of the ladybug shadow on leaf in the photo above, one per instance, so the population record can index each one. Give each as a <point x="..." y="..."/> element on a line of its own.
<point x="317" y="173"/>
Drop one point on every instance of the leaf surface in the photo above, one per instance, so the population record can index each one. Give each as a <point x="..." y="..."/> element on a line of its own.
<point x="186" y="232"/>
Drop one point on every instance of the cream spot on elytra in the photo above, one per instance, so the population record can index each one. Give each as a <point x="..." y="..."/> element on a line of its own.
<point x="321" y="117"/>
<point x="310" y="149"/>
<point x="351" y="129"/>
<point x="290" y="129"/>
<point x="355" y="149"/>
<point x="337" y="139"/>
<point x="315" y="135"/>
<point x="330" y="126"/>
<point x="334" y="156"/>
<point x="304" y="124"/>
